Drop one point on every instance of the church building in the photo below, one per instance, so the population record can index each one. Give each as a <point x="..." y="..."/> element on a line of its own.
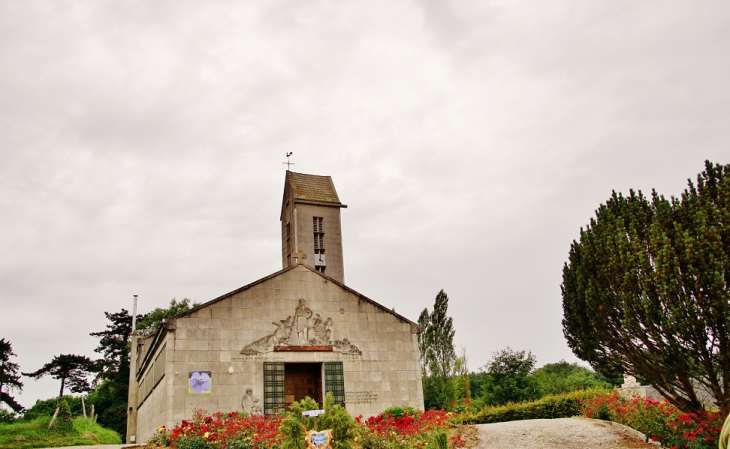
<point x="298" y="332"/>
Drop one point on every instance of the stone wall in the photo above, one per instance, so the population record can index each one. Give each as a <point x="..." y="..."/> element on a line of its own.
<point x="154" y="396"/>
<point x="378" y="350"/>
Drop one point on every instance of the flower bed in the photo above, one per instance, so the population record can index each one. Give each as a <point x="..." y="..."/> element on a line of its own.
<point x="412" y="429"/>
<point x="409" y="430"/>
<point x="231" y="431"/>
<point x="660" y="421"/>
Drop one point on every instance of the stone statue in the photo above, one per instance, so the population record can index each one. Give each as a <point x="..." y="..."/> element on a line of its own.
<point x="249" y="404"/>
<point x="302" y="314"/>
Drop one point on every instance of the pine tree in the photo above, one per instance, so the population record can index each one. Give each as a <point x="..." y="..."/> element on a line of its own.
<point x="9" y="376"/>
<point x="71" y="369"/>
<point x="646" y="290"/>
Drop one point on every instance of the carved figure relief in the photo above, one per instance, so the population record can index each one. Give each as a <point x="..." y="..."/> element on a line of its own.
<point x="344" y="346"/>
<point x="305" y="329"/>
<point x="299" y="335"/>
<point x="249" y="404"/>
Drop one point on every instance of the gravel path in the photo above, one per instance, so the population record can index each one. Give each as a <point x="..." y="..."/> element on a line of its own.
<point x="562" y="433"/>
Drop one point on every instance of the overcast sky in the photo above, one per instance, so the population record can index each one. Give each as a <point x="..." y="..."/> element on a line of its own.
<point x="142" y="143"/>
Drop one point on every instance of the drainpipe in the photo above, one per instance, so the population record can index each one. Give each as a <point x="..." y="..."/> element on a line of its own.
<point x="133" y="397"/>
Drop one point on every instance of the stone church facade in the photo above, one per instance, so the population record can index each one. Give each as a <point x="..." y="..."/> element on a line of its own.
<point x="298" y="332"/>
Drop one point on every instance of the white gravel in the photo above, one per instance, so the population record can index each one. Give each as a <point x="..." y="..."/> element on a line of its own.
<point x="562" y="433"/>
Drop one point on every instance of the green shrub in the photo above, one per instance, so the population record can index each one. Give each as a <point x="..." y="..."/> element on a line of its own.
<point x="294" y="426"/>
<point x="193" y="441"/>
<point x="395" y="411"/>
<point x="398" y="411"/>
<point x="7" y="417"/>
<point x="549" y="407"/>
<point x="47" y="407"/>
<point x="64" y="421"/>
<point x="442" y="441"/>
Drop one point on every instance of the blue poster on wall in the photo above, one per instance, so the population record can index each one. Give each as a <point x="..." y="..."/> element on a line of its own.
<point x="200" y="382"/>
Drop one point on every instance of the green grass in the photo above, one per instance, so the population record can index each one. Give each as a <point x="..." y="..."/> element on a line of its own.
<point x="33" y="434"/>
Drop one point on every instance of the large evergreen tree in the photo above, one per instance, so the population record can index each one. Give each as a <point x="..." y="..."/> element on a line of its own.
<point x="72" y="370"/>
<point x="9" y="376"/>
<point x="645" y="290"/>
<point x="110" y="397"/>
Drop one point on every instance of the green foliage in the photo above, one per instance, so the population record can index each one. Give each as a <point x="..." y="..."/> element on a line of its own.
<point x="193" y="441"/>
<point x="552" y="406"/>
<point x="436" y="344"/>
<point x="64" y="419"/>
<point x="24" y="434"/>
<point x="645" y="290"/>
<point x="509" y="378"/>
<point x="9" y="376"/>
<point x="461" y="381"/>
<point x="440" y="339"/>
<point x="398" y="411"/>
<point x="438" y="392"/>
<point x="110" y="396"/>
<point x="47" y="407"/>
<point x="71" y="369"/>
<point x="295" y="426"/>
<point x="564" y="377"/>
<point x="152" y="322"/>
<point x="442" y="440"/>
<point x="110" y="405"/>
<point x="424" y="319"/>
<point x="7" y="417"/>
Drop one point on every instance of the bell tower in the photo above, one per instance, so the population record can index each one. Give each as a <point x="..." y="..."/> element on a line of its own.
<point x="311" y="229"/>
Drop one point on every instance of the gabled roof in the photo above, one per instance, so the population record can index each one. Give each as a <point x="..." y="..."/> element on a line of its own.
<point x="289" y="268"/>
<point x="312" y="189"/>
<point x="158" y="338"/>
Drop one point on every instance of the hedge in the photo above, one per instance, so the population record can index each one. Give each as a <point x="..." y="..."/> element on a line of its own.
<point x="563" y="405"/>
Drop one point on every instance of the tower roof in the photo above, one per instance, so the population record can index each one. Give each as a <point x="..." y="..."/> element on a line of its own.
<point x="312" y="189"/>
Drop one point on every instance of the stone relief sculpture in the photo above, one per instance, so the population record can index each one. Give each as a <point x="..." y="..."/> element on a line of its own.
<point x="266" y="344"/>
<point x="249" y="404"/>
<point x="305" y="329"/>
<point x="299" y="335"/>
<point x="344" y="346"/>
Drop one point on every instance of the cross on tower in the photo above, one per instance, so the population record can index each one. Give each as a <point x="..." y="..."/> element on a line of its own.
<point x="288" y="164"/>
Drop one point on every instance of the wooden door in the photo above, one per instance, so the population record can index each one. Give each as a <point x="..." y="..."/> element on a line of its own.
<point x="303" y="380"/>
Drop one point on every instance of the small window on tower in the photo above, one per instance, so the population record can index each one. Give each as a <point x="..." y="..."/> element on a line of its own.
<point x="319" y="258"/>
<point x="318" y="235"/>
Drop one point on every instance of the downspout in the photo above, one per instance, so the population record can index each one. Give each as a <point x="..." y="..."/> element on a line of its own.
<point x="133" y="396"/>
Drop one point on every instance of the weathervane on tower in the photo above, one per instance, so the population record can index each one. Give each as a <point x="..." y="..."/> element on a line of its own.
<point x="288" y="164"/>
